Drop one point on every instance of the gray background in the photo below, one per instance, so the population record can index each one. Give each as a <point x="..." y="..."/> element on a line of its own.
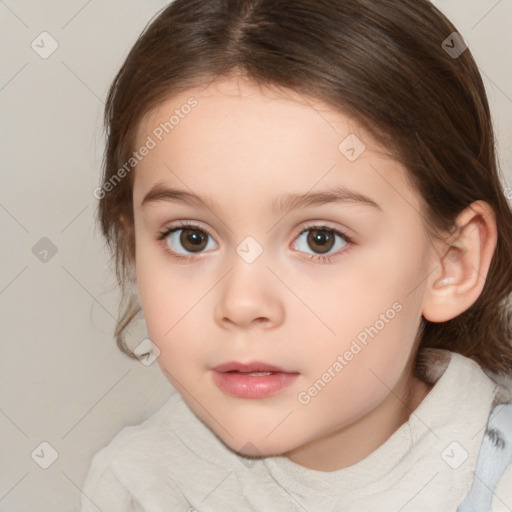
<point x="62" y="379"/>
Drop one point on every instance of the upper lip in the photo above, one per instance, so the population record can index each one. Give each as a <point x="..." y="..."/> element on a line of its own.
<point x="256" y="366"/>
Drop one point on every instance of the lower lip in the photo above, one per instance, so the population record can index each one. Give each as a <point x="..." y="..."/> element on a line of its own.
<point x="253" y="386"/>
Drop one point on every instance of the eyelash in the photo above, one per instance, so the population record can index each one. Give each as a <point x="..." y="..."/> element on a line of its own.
<point x="162" y="237"/>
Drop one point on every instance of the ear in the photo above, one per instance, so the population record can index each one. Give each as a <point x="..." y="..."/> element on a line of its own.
<point x="461" y="264"/>
<point x="127" y="224"/>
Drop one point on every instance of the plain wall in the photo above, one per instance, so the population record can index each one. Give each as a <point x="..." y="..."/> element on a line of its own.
<point x="62" y="379"/>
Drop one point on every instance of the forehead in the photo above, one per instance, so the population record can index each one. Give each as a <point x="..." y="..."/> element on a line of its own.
<point x="244" y="137"/>
<point x="236" y="102"/>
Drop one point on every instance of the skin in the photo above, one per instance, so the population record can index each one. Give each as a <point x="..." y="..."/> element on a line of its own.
<point x="245" y="146"/>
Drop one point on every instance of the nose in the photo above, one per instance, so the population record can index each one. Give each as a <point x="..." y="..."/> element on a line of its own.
<point x="249" y="296"/>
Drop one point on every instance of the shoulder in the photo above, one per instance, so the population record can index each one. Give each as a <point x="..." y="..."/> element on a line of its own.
<point x="492" y="484"/>
<point x="502" y="496"/>
<point x="134" y="439"/>
<point x="147" y="441"/>
<point x="119" y="471"/>
<point x="499" y="439"/>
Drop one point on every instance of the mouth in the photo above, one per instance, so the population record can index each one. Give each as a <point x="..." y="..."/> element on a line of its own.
<point x="252" y="380"/>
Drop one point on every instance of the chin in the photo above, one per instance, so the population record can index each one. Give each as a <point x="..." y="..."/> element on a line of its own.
<point x="257" y="448"/>
<point x="251" y="450"/>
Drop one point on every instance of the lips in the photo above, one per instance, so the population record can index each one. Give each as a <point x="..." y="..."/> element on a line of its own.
<point x="251" y="380"/>
<point x="234" y="366"/>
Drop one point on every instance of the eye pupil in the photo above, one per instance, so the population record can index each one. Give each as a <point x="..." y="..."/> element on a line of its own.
<point x="322" y="239"/>
<point x="193" y="239"/>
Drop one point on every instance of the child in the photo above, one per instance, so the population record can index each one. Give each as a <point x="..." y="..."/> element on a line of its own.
<point x="305" y="196"/>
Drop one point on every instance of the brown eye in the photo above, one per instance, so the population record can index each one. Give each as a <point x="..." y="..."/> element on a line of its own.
<point x="193" y="240"/>
<point x="321" y="240"/>
<point x="186" y="240"/>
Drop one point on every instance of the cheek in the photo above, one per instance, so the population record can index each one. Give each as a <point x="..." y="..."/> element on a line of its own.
<point x="357" y="371"/>
<point x="165" y="301"/>
<point x="391" y="269"/>
<point x="374" y="311"/>
<point x="383" y="294"/>
<point x="170" y="326"/>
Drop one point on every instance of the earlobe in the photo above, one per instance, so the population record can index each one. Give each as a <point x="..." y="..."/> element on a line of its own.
<point x="462" y="264"/>
<point x="124" y="221"/>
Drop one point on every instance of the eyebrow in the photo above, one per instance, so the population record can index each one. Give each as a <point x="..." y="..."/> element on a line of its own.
<point x="284" y="204"/>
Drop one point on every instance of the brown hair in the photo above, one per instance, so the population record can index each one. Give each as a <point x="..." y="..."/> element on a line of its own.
<point x="384" y="64"/>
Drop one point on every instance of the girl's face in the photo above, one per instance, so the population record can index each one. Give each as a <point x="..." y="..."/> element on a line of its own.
<point x="286" y="310"/>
